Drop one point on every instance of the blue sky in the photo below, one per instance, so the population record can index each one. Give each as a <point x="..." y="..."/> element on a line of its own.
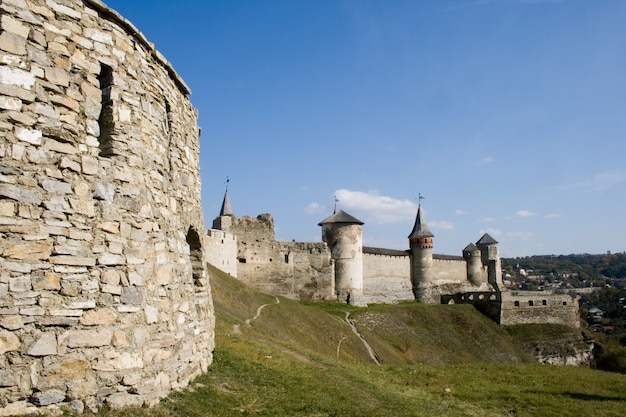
<point x="508" y="116"/>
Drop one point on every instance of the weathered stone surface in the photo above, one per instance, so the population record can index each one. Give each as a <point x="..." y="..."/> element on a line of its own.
<point x="94" y="213"/>
<point x="89" y="338"/>
<point x="122" y="399"/>
<point x="98" y="317"/>
<point x="44" y="346"/>
<point x="8" y="342"/>
<point x="48" y="397"/>
<point x="30" y="251"/>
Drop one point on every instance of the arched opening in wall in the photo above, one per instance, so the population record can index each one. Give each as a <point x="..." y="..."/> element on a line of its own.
<point x="168" y="133"/>
<point x="531" y="303"/>
<point x="195" y="256"/>
<point x="106" y="122"/>
<point x="517" y="304"/>
<point x="544" y="302"/>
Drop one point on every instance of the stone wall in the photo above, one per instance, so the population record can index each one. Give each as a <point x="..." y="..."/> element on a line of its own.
<point x="221" y="251"/>
<point x="386" y="276"/>
<point x="103" y="292"/>
<point x="525" y="307"/>
<point x="296" y="270"/>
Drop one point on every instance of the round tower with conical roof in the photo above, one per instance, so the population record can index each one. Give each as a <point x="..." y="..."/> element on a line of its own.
<point x="421" y="249"/>
<point x="475" y="274"/>
<point x="343" y="235"/>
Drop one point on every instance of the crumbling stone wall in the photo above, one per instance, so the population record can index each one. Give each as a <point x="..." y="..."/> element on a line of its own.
<point x="103" y="291"/>
<point x="296" y="270"/>
<point x="525" y="307"/>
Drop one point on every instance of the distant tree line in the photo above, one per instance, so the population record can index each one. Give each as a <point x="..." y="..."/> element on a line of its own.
<point x="584" y="267"/>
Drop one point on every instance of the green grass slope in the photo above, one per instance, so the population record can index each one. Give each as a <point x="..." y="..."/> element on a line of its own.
<point x="276" y="357"/>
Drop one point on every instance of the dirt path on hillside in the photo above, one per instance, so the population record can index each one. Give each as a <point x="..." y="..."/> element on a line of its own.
<point x="237" y="327"/>
<point x="369" y="348"/>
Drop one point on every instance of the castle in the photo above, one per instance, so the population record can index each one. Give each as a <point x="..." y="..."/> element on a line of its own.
<point x="104" y="294"/>
<point x="341" y="268"/>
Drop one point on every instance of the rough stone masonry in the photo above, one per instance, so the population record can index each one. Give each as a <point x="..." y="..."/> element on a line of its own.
<point x="104" y="296"/>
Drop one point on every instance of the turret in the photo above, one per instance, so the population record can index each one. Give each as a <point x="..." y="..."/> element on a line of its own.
<point x="491" y="260"/>
<point x="343" y="234"/>
<point x="475" y="274"/>
<point x="225" y="219"/>
<point x="421" y="248"/>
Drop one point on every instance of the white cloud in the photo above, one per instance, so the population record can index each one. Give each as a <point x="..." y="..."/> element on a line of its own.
<point x="525" y="213"/>
<point x="440" y="224"/>
<point x="314" y="208"/>
<point x="460" y="212"/>
<point x="603" y="180"/>
<point x="493" y="232"/>
<point x="487" y="160"/>
<point x="488" y="219"/>
<point x="374" y="207"/>
<point x="553" y="216"/>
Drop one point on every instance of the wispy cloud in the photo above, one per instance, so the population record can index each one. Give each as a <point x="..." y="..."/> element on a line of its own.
<point x="553" y="216"/>
<point x="525" y="213"/>
<point x="373" y="206"/>
<point x="492" y="231"/>
<point x="314" y="208"/>
<point x="488" y="219"/>
<point x="441" y="224"/>
<point x="603" y="180"/>
<point x="487" y="160"/>
<point x="460" y="212"/>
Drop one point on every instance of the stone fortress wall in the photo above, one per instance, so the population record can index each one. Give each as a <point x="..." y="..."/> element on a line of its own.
<point x="103" y="291"/>
<point x="474" y="278"/>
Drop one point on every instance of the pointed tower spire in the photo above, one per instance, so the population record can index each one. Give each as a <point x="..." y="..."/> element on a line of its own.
<point x="420" y="229"/>
<point x="226" y="210"/>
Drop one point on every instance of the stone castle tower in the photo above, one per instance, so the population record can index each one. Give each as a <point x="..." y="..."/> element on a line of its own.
<point x="104" y="296"/>
<point x="343" y="235"/>
<point x="421" y="253"/>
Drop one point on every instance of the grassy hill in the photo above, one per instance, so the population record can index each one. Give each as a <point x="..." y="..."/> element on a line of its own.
<point x="276" y="357"/>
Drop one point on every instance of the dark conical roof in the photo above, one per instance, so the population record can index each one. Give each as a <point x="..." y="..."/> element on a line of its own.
<point x="470" y="248"/>
<point x="420" y="229"/>
<point x="226" y="210"/>
<point x="486" y="240"/>
<point x="340" y="217"/>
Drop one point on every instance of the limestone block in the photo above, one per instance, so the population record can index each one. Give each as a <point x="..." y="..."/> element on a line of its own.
<point x="12" y="43"/>
<point x="30" y="251"/>
<point x="8" y="379"/>
<point x="7" y="208"/>
<point x="28" y="135"/>
<point x="20" y="284"/>
<point x="110" y="227"/>
<point x="11" y="322"/>
<point x="132" y="296"/>
<point x="89" y="338"/>
<point x="58" y="76"/>
<point x="19" y="194"/>
<point x="90" y="165"/>
<point x="69" y="164"/>
<point x="152" y="314"/>
<point x="14" y="26"/>
<point x="72" y="260"/>
<point x="109" y="259"/>
<point x="48" y="397"/>
<point x="102" y="316"/>
<point x="44" y="346"/>
<point x="10" y="103"/>
<point x="8" y="342"/>
<point x="18" y="408"/>
<point x="56" y="187"/>
<point x="111" y="289"/>
<point x="122" y="399"/>
<point x="59" y="8"/>
<point x="48" y="281"/>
